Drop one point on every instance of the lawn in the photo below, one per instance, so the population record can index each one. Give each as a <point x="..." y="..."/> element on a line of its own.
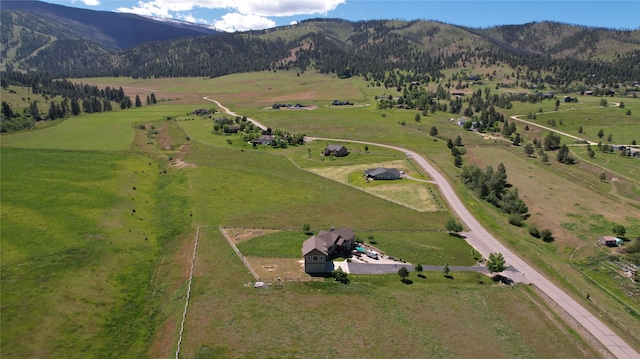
<point x="283" y="244"/>
<point x="427" y="248"/>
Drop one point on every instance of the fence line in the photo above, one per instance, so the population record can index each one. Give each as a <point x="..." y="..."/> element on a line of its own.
<point x="186" y="302"/>
<point x="244" y="260"/>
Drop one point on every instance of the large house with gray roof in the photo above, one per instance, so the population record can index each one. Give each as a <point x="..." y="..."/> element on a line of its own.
<point x="324" y="246"/>
<point x="382" y="173"/>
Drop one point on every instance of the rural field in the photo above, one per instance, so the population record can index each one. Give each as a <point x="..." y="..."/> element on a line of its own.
<point x="100" y="213"/>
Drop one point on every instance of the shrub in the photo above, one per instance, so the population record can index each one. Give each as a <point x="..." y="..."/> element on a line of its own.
<point x="534" y="231"/>
<point x="547" y="235"/>
<point x="418" y="267"/>
<point x="516" y="220"/>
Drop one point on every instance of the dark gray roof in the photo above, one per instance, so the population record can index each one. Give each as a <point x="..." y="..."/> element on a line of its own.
<point x="380" y="170"/>
<point x="335" y="147"/>
<point x="312" y="243"/>
<point x="325" y="239"/>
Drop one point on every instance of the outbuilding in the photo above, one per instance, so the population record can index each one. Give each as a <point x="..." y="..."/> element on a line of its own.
<point x="610" y="241"/>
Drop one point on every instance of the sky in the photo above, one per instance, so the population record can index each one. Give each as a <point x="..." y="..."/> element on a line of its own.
<point x="242" y="15"/>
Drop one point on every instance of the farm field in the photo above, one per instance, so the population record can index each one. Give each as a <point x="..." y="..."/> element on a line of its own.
<point x="192" y="177"/>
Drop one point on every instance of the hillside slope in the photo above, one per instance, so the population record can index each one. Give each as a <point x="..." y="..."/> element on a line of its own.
<point x="29" y="26"/>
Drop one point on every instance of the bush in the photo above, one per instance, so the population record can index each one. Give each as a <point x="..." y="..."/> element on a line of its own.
<point x="516" y="220"/>
<point x="340" y="276"/>
<point x="418" y="267"/>
<point x="547" y="235"/>
<point x="534" y="231"/>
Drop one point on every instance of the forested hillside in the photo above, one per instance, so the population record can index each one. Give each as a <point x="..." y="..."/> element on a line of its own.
<point x="38" y="31"/>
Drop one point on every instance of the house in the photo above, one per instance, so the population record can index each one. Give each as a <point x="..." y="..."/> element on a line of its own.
<point x="335" y="150"/>
<point x="264" y="140"/>
<point x="319" y="249"/>
<point x="314" y="251"/>
<point x="588" y="93"/>
<point x="201" y="112"/>
<point x="462" y="121"/>
<point x="341" y="103"/>
<point x="382" y="173"/>
<point x="610" y="241"/>
<point x="567" y="99"/>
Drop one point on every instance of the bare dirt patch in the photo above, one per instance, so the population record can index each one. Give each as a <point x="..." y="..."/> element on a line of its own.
<point x="279" y="269"/>
<point x="162" y="138"/>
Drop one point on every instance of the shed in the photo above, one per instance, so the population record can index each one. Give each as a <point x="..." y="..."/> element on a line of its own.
<point x="610" y="241"/>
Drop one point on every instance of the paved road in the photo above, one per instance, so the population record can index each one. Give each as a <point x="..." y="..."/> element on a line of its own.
<point x="485" y="243"/>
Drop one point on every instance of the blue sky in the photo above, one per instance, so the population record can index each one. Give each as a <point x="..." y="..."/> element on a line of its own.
<point x="240" y="15"/>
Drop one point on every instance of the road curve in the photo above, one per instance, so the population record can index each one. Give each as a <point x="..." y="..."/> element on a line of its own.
<point x="480" y="239"/>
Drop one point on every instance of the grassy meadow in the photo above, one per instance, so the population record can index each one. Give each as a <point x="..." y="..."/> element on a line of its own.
<point x="84" y="275"/>
<point x="76" y="260"/>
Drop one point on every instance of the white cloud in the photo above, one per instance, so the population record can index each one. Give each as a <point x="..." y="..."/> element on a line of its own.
<point x="89" y="2"/>
<point x="234" y="21"/>
<point x="243" y="13"/>
<point x="287" y="7"/>
<point x="192" y="19"/>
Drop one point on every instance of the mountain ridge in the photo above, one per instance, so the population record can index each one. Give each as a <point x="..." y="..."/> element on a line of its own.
<point x="40" y="39"/>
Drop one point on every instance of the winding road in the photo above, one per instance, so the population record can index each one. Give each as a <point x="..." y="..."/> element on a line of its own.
<point x="480" y="239"/>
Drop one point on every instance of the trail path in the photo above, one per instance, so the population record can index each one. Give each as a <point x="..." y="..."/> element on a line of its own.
<point x="480" y="239"/>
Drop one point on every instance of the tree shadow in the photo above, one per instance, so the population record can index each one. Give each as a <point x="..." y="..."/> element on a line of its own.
<point x="422" y="276"/>
<point x="502" y="279"/>
<point x="406" y="281"/>
<point x="448" y="276"/>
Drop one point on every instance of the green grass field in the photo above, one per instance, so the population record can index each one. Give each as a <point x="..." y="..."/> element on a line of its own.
<point x="76" y="261"/>
<point x="84" y="275"/>
<point x="107" y="131"/>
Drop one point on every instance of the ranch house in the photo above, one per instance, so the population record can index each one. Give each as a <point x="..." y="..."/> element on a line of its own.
<point x="318" y="250"/>
<point x="382" y="173"/>
<point x="335" y="150"/>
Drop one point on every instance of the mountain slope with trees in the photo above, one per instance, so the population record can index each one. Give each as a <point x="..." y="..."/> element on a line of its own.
<point x="28" y="27"/>
<point x="551" y="53"/>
